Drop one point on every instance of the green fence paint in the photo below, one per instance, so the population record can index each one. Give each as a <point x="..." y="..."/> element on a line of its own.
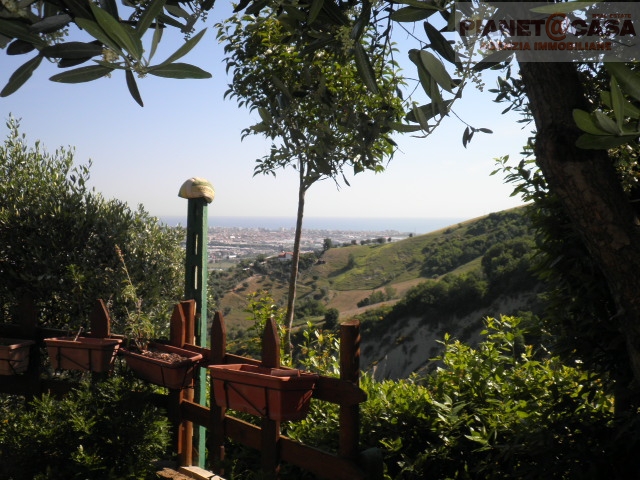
<point x="196" y="285"/>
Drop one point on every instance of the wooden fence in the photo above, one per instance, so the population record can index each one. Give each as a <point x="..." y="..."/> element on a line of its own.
<point x="31" y="383"/>
<point x="348" y="463"/>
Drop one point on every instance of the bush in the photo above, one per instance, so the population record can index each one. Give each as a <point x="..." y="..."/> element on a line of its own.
<point x="58" y="240"/>
<point x="501" y="411"/>
<point x="109" y="430"/>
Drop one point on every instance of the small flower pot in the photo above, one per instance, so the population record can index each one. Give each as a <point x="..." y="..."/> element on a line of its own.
<point x="82" y="353"/>
<point x="154" y="367"/>
<point x="14" y="355"/>
<point x="275" y="393"/>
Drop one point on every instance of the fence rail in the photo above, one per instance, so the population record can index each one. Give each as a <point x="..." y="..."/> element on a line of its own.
<point x="185" y="413"/>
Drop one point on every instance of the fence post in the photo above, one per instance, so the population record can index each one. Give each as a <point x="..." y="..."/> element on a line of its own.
<point x="28" y="318"/>
<point x="180" y="333"/>
<point x="199" y="193"/>
<point x="349" y="371"/>
<point x="216" y="435"/>
<point x="270" y="431"/>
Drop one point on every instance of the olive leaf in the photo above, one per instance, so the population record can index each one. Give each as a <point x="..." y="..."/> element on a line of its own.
<point x="149" y="15"/>
<point x="133" y="87"/>
<point x="586" y="123"/>
<point x="185" y="48"/>
<point x="83" y="74"/>
<point x="123" y="35"/>
<point x="439" y="43"/>
<point x="413" y="14"/>
<point x="603" y="142"/>
<point x="179" y="70"/>
<point x="363" y="65"/>
<point x="629" y="79"/>
<point x="72" y="50"/>
<point x="433" y="66"/>
<point x="20" y="76"/>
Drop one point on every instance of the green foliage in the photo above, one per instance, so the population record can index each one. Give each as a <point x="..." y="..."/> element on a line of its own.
<point x="318" y="350"/>
<point x="108" y="430"/>
<point x="503" y="410"/>
<point x="459" y="294"/>
<point x="618" y="122"/>
<point x="58" y="239"/>
<point x="317" y="124"/>
<point x="429" y="255"/>
<point x="310" y="307"/>
<point x="117" y="46"/>
<point x="261" y="307"/>
<point x="479" y="237"/>
<point x="507" y="265"/>
<point x="139" y="327"/>
<point x="579" y="309"/>
<point x="331" y="317"/>
<point x="377" y="296"/>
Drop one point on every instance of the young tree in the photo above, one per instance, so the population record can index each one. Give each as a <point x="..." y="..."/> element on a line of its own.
<point x="319" y="115"/>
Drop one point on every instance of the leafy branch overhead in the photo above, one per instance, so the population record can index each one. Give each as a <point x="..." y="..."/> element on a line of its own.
<point x="117" y="44"/>
<point x="619" y="123"/>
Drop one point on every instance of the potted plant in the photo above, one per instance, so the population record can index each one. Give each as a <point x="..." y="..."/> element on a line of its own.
<point x="96" y="351"/>
<point x="275" y="393"/>
<point x="84" y="353"/>
<point x="14" y="355"/>
<point x="165" y="365"/>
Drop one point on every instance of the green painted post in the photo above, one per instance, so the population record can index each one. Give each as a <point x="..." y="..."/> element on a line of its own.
<point x="199" y="193"/>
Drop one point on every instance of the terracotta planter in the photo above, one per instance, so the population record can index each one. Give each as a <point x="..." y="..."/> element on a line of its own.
<point x="275" y="393"/>
<point x="82" y="353"/>
<point x="14" y="355"/>
<point x="173" y="375"/>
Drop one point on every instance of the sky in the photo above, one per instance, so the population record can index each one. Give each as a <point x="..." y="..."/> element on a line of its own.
<point x="142" y="155"/>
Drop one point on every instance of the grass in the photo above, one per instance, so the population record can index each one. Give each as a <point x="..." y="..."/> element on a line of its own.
<point x="350" y="274"/>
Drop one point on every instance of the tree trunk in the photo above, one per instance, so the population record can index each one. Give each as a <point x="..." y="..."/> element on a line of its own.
<point x="589" y="189"/>
<point x="295" y="262"/>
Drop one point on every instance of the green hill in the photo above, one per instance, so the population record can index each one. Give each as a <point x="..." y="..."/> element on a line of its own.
<point x="357" y="278"/>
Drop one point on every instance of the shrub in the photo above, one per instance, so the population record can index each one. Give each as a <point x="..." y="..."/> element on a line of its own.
<point x="108" y="430"/>
<point x="58" y="240"/>
<point x="500" y="411"/>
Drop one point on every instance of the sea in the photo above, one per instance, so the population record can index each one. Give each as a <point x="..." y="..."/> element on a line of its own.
<point x="350" y="224"/>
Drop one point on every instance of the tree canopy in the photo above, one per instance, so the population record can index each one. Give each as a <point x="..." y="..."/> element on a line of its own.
<point x="314" y="107"/>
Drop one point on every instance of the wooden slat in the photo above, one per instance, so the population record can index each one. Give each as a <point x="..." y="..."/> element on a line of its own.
<point x="99" y="321"/>
<point x="243" y="432"/>
<point x="269" y="456"/>
<point x="349" y="433"/>
<point x="231" y="358"/>
<point x="338" y="391"/>
<point x="218" y="339"/>
<point x="189" y="311"/>
<point x="312" y="459"/>
<point x="177" y="327"/>
<point x="318" y="462"/>
<point x="271" y="344"/>
<point x="195" y="413"/>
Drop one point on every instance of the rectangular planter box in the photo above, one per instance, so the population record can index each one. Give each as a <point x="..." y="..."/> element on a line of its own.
<point x="275" y="393"/>
<point x="14" y="355"/>
<point x="83" y="353"/>
<point x="173" y="375"/>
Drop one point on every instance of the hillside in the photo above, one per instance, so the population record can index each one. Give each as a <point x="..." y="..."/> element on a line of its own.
<point x="356" y="279"/>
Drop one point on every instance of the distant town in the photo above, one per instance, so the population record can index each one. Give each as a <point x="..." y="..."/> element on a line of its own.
<point x="228" y="245"/>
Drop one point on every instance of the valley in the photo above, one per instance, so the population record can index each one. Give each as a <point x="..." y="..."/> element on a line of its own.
<point x="387" y="282"/>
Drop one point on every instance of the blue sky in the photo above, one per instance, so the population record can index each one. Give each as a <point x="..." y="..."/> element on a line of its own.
<point x="186" y="129"/>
